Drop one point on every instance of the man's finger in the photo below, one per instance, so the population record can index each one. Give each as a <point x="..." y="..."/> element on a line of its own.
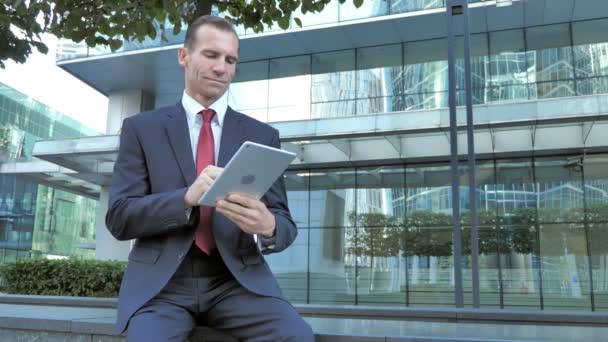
<point x="212" y="171"/>
<point x="236" y="208"/>
<point x="238" y="219"/>
<point x="243" y="200"/>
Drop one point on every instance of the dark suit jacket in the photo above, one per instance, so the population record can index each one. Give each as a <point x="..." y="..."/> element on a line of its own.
<point x="153" y="170"/>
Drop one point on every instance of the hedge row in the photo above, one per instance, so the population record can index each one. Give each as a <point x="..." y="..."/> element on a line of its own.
<point x="71" y="277"/>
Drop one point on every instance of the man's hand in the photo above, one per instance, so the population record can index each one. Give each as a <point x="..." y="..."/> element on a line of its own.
<point x="249" y="214"/>
<point x="201" y="185"/>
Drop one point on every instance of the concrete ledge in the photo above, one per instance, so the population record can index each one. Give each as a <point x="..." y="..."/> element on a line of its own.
<point x="92" y="319"/>
<point x="464" y="315"/>
<point x="59" y="300"/>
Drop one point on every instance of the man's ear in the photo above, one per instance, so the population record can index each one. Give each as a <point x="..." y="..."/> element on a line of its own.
<point x="182" y="56"/>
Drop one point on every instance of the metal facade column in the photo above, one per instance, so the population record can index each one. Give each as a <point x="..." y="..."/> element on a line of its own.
<point x="460" y="7"/>
<point x="471" y="159"/>
<point x="454" y="9"/>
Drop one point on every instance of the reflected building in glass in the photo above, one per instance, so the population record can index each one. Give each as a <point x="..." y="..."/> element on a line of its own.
<point x="37" y="220"/>
<point x="362" y="96"/>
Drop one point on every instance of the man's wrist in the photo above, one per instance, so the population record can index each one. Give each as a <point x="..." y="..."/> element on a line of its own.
<point x="272" y="231"/>
<point x="269" y="235"/>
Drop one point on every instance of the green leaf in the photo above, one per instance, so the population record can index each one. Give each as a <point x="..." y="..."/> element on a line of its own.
<point x="177" y="28"/>
<point x="358" y="3"/>
<point x="161" y="16"/>
<point x="298" y="21"/>
<point x="115" y="44"/>
<point x="90" y="40"/>
<point x="284" y="22"/>
<point x="151" y="30"/>
<point x="42" y="48"/>
<point x="234" y="11"/>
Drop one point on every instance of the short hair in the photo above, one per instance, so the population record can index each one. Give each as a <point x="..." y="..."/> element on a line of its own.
<point x="217" y="22"/>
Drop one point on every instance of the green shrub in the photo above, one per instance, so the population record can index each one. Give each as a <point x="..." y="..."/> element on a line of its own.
<point x="72" y="277"/>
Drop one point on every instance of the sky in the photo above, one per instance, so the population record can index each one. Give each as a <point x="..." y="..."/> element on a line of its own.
<point x="41" y="79"/>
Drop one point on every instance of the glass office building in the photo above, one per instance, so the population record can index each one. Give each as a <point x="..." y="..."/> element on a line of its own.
<point x="37" y="220"/>
<point x="375" y="228"/>
<point x="382" y="235"/>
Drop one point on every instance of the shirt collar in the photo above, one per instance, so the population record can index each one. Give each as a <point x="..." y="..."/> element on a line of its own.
<point x="192" y="108"/>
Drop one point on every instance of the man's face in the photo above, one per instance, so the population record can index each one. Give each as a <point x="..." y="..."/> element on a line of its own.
<point x="209" y="63"/>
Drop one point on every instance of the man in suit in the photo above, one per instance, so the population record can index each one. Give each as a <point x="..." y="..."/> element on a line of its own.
<point x="197" y="265"/>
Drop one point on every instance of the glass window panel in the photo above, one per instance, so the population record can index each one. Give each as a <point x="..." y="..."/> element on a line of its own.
<point x="515" y="201"/>
<point x="596" y="192"/>
<point x="560" y="189"/>
<point x="380" y="196"/>
<point x="492" y="238"/>
<point x="425" y="66"/>
<point x="598" y="236"/>
<point x="296" y="183"/>
<point x="589" y="31"/>
<point x="332" y="197"/>
<point x="548" y="36"/>
<point x="479" y="56"/>
<point x="248" y="95"/>
<point x="507" y="93"/>
<point x="552" y="51"/>
<point x="334" y="109"/>
<point x="249" y="89"/>
<point x="251" y="71"/>
<point x="381" y="105"/>
<point x="290" y="267"/>
<point x="511" y="41"/>
<point x="333" y="62"/>
<point x="508" y="58"/>
<point x="478" y="96"/>
<point x="289" y="89"/>
<point x="428" y="236"/>
<point x="290" y="66"/>
<point x="430" y="272"/>
<point x="596" y="186"/>
<point x="258" y="114"/>
<point x="333" y="76"/>
<point x="380" y="266"/>
<point x="547" y="90"/>
<point x="591" y="60"/>
<point x="565" y="267"/>
<point x="368" y="9"/>
<point x="426" y="77"/>
<point x="332" y="266"/>
<point x="400" y="6"/>
<point x="426" y="101"/>
<point x="590" y="47"/>
<point x="592" y="86"/>
<point x="379" y="71"/>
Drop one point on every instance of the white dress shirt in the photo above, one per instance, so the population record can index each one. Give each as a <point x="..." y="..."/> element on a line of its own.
<point x="195" y="121"/>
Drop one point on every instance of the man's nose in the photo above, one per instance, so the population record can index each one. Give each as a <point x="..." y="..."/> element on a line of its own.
<point x="219" y="68"/>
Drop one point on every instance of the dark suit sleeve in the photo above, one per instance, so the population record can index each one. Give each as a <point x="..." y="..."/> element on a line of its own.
<point x="276" y="201"/>
<point x="133" y="212"/>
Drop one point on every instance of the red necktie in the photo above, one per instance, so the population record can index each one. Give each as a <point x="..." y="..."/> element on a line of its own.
<point x="205" y="151"/>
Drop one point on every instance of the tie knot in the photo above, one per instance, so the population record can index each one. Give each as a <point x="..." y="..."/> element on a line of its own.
<point x="208" y="115"/>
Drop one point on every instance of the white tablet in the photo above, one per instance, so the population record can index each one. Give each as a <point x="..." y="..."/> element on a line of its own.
<point x="252" y="170"/>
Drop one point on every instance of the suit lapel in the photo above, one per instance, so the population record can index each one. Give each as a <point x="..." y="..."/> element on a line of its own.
<point x="232" y="137"/>
<point x="176" y="126"/>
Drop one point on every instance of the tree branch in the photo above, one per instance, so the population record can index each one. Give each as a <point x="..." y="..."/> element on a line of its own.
<point x="203" y="7"/>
